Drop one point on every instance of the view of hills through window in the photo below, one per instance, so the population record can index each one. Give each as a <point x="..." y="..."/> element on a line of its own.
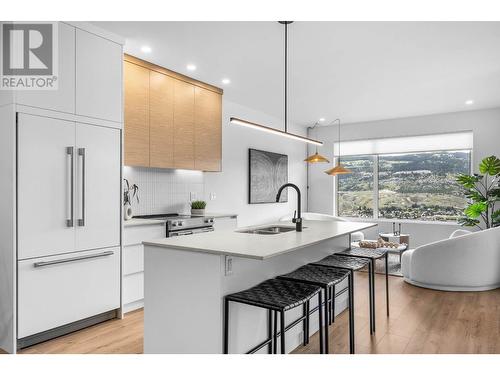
<point x="415" y="186"/>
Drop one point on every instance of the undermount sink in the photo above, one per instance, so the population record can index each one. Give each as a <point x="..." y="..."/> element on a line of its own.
<point x="275" y="229"/>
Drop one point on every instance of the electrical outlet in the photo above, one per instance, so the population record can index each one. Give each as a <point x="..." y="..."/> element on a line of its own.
<point x="213" y="196"/>
<point x="229" y="265"/>
<point x="192" y="196"/>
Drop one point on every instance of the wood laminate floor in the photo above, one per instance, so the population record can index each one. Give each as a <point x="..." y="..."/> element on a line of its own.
<point x="421" y="321"/>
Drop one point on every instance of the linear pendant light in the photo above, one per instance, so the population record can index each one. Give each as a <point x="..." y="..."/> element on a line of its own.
<point x="316" y="158"/>
<point x="338" y="169"/>
<point x="285" y="133"/>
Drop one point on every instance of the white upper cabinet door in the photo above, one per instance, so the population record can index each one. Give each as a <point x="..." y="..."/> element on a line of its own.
<point x="99" y="84"/>
<point x="98" y="187"/>
<point x="45" y="186"/>
<point x="63" y="98"/>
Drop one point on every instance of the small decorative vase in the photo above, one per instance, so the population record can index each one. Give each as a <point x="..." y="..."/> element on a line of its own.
<point x="127" y="211"/>
<point x="198" y="211"/>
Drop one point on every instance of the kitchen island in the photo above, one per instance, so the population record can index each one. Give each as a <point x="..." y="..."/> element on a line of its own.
<point x="187" y="277"/>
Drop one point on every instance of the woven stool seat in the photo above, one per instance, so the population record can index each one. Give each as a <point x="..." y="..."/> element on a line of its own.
<point x="323" y="276"/>
<point x="364" y="252"/>
<point x="339" y="261"/>
<point x="276" y="294"/>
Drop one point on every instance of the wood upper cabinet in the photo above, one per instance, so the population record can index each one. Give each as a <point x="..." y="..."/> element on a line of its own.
<point x="161" y="120"/>
<point x="183" y="125"/>
<point x="136" y="115"/>
<point x="171" y="121"/>
<point x="207" y="130"/>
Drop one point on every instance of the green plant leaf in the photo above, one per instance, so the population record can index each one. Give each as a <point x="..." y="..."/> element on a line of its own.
<point x="475" y="210"/>
<point x="198" y="205"/>
<point x="475" y="196"/>
<point x="468" y="181"/>
<point x="494" y="193"/>
<point x="467" y="221"/>
<point x="490" y="165"/>
<point x="495" y="218"/>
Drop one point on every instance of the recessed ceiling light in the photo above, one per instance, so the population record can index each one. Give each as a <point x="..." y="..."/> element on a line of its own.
<point x="146" y="49"/>
<point x="321" y="119"/>
<point x="469" y="102"/>
<point x="191" y="67"/>
<point x="226" y="81"/>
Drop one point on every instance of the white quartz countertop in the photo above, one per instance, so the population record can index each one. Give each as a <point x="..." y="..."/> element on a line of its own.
<point x="259" y="246"/>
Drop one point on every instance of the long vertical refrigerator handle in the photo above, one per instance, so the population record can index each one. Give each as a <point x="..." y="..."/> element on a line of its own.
<point x="81" y="221"/>
<point x="70" y="151"/>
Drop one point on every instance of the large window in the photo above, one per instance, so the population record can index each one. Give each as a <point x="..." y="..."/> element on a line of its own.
<point x="355" y="190"/>
<point x="414" y="186"/>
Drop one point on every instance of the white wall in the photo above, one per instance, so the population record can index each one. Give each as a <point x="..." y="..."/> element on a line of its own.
<point x="231" y="185"/>
<point x="168" y="190"/>
<point x="485" y="125"/>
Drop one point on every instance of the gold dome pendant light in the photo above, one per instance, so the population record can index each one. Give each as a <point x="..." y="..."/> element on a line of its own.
<point x="338" y="169"/>
<point x="316" y="158"/>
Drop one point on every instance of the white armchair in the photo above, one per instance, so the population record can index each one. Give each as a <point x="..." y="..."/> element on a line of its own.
<point x="356" y="236"/>
<point x="463" y="262"/>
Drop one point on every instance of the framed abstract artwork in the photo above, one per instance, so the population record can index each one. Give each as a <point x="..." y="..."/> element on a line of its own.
<point x="267" y="172"/>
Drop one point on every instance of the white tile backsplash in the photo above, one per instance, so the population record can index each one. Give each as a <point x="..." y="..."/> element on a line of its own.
<point x="164" y="190"/>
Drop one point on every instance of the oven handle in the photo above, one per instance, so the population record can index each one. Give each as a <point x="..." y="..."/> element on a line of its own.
<point x="183" y="233"/>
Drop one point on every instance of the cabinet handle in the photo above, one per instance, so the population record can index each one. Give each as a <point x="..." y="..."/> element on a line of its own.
<point x="81" y="221"/>
<point x="74" y="259"/>
<point x="69" y="151"/>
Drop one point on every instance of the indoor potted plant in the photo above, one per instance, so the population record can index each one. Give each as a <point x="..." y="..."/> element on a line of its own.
<point x="198" y="207"/>
<point x="129" y="193"/>
<point x="483" y="191"/>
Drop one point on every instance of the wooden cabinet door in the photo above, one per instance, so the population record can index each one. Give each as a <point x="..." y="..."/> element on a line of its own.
<point x="99" y="81"/>
<point x="98" y="186"/>
<point x="161" y="120"/>
<point x="136" y="115"/>
<point x="45" y="186"/>
<point x="62" y="99"/>
<point x="208" y="130"/>
<point x="183" y="125"/>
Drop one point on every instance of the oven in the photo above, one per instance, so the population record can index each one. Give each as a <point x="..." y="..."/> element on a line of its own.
<point x="187" y="232"/>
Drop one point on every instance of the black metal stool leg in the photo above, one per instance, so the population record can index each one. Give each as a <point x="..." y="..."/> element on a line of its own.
<point x="327" y="325"/>
<point x="333" y="304"/>
<point x="387" y="281"/>
<point x="282" y="330"/>
<point x="373" y="293"/>
<point x="370" y="291"/>
<point x="226" y="326"/>
<point x="270" y="331"/>
<point x="275" y="336"/>
<point x="351" y="313"/>
<point x="320" y="312"/>
<point x="308" y="308"/>
<point x="304" y="324"/>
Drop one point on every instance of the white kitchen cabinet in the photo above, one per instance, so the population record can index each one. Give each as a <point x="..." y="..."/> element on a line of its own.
<point x="98" y="186"/>
<point x="44" y="186"/>
<point x="99" y="83"/>
<point x="63" y="98"/>
<point x="57" y="290"/>
<point x="133" y="261"/>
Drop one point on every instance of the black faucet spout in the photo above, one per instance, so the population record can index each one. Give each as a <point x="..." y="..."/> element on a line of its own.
<point x="297" y="220"/>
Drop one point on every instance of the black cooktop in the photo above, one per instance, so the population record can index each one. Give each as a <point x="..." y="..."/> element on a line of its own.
<point x="163" y="216"/>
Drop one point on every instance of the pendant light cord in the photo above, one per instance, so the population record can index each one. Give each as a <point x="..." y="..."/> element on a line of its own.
<point x="286" y="75"/>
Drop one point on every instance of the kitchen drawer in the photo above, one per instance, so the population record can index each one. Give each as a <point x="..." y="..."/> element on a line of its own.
<point x="133" y="259"/>
<point x="134" y="235"/>
<point x="133" y="288"/>
<point x="75" y="286"/>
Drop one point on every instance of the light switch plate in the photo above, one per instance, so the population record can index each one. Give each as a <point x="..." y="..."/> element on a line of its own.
<point x="213" y="196"/>
<point x="229" y="265"/>
<point x="192" y="196"/>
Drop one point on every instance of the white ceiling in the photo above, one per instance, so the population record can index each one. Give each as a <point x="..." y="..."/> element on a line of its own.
<point x="357" y="71"/>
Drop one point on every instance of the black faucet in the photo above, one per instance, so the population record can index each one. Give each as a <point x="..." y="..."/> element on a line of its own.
<point x="297" y="220"/>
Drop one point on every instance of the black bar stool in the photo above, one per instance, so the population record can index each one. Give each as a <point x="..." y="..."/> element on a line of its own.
<point x="372" y="255"/>
<point x="351" y="264"/>
<point x="277" y="296"/>
<point x="326" y="278"/>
